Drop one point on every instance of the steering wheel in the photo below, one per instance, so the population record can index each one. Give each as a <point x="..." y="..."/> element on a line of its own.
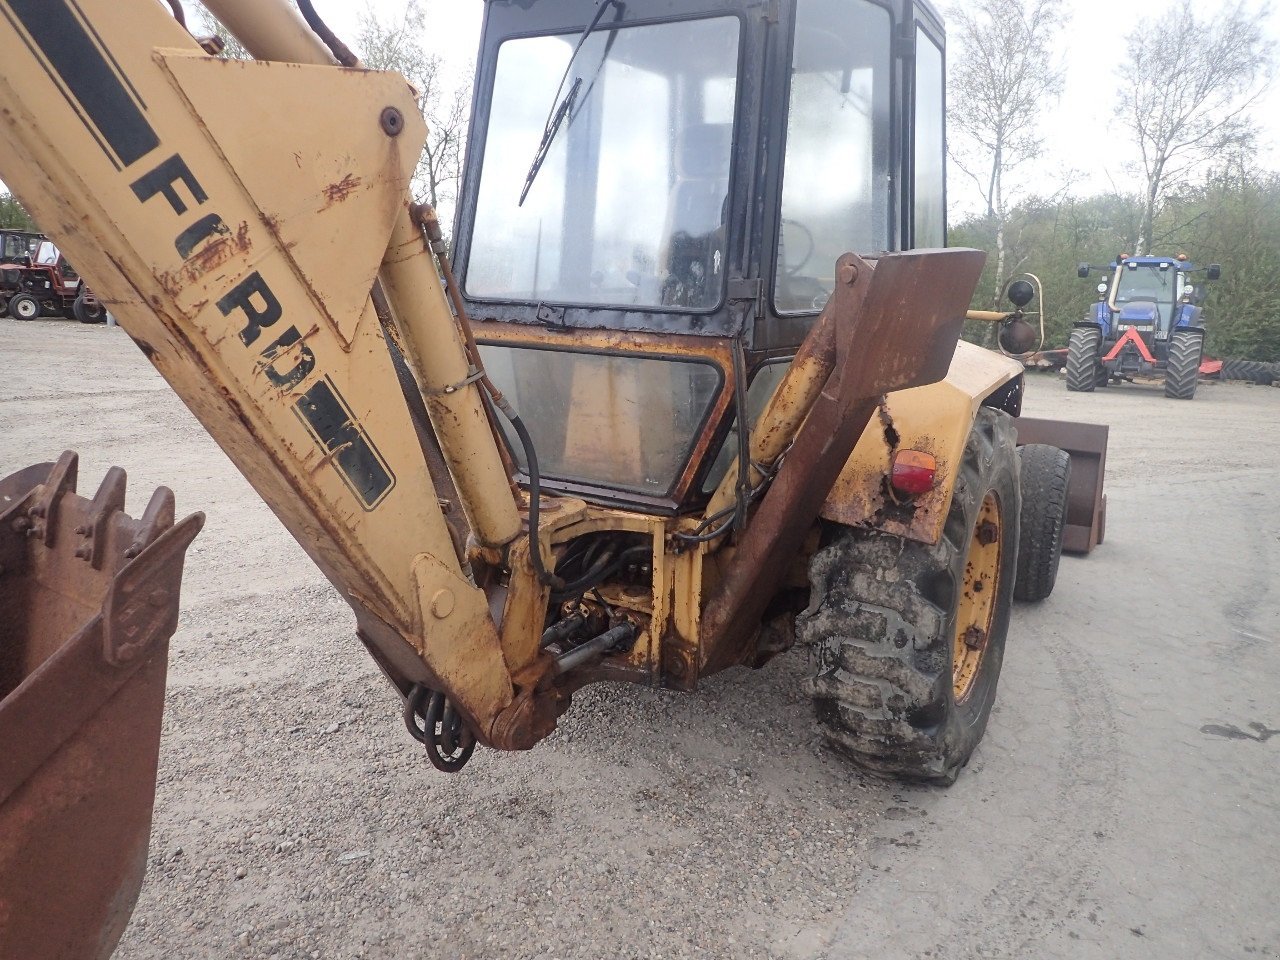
<point x="808" y="254"/>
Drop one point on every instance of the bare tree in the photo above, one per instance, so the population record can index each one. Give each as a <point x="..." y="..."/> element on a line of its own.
<point x="1001" y="78"/>
<point x="397" y="43"/>
<point x="1189" y="84"/>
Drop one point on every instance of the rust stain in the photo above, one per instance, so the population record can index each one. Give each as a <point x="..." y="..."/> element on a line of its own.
<point x="337" y="192"/>
<point x="80" y="713"/>
<point x="207" y="259"/>
<point x="891" y="436"/>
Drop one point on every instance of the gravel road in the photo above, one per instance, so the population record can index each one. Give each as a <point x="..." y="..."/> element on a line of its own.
<point x="1124" y="803"/>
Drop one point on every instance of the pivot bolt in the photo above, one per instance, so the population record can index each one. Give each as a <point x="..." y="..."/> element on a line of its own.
<point x="391" y="121"/>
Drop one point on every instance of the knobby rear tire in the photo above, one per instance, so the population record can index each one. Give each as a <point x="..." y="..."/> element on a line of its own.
<point x="882" y="620"/>
<point x="1250" y="371"/>
<point x="1082" y="359"/>
<point x="1182" y="372"/>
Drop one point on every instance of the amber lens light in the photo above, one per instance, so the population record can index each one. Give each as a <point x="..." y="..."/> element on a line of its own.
<point x="913" y="472"/>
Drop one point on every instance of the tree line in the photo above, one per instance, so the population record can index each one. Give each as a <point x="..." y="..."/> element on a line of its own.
<point x="1185" y="109"/>
<point x="1232" y="217"/>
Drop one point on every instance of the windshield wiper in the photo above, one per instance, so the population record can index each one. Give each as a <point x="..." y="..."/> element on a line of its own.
<point x="549" y="135"/>
<point x="563" y="107"/>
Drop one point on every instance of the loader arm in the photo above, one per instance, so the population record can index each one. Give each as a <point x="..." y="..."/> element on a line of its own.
<point x="234" y="217"/>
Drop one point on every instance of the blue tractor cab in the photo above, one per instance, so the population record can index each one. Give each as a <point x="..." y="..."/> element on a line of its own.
<point x="1148" y="320"/>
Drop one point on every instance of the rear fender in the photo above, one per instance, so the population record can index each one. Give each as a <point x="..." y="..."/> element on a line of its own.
<point x="1099" y="316"/>
<point x="935" y="419"/>
<point x="1188" y="318"/>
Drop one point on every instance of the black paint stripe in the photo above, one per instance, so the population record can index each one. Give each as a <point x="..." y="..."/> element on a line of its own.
<point x="332" y="424"/>
<point x="80" y="65"/>
<point x="102" y="45"/>
<point x="75" y="107"/>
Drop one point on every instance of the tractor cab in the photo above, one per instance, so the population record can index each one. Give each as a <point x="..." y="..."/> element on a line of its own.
<point x="687" y="174"/>
<point x="17" y="246"/>
<point x="1151" y="295"/>
<point x="1146" y="292"/>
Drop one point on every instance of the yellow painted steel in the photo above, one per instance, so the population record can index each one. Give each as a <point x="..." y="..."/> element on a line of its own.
<point x="935" y="419"/>
<point x="270" y="30"/>
<point x="211" y="227"/>
<point x="432" y="344"/>
<point x="779" y="421"/>
<point x="978" y="595"/>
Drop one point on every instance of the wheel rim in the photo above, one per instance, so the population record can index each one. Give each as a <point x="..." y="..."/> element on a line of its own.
<point x="978" y="595"/>
<point x="25" y="310"/>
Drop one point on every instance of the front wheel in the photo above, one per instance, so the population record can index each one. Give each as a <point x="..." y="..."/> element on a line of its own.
<point x="1084" y="371"/>
<point x="23" y="306"/>
<point x="909" y="636"/>
<point x="1183" y="369"/>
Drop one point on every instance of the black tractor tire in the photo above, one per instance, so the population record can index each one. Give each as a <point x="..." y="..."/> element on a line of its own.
<point x="883" y="618"/>
<point x="23" y="306"/>
<point x="1082" y="359"/>
<point x="1046" y="474"/>
<point x="1182" y="372"/>
<point x="89" y="312"/>
<point x="1250" y="371"/>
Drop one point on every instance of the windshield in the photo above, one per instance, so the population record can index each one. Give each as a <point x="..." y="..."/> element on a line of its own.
<point x="15" y="247"/>
<point x="629" y="206"/>
<point x="581" y="410"/>
<point x="1146" y="281"/>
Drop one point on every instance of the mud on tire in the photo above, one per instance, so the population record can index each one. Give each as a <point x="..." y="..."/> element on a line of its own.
<point x="882" y="620"/>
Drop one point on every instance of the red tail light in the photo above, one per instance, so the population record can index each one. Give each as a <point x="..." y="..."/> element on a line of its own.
<point x="913" y="472"/>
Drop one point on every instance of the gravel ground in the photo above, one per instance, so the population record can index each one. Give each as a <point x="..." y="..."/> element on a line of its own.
<point x="1122" y="804"/>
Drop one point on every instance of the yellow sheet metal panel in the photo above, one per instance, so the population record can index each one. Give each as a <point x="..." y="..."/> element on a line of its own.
<point x="935" y="419"/>
<point x="323" y="199"/>
<point x="218" y="283"/>
<point x="273" y="30"/>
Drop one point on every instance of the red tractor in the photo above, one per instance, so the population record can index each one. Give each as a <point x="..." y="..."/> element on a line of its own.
<point x="47" y="285"/>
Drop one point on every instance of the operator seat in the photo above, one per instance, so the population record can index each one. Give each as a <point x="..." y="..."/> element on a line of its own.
<point x="696" y="213"/>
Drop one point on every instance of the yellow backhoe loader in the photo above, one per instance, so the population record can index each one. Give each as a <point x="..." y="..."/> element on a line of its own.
<point x="658" y="420"/>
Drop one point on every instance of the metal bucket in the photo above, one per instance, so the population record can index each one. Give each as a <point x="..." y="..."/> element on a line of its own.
<point x="88" y="602"/>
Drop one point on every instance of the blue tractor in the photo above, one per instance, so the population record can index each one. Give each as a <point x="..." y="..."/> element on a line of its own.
<point x="1148" y="319"/>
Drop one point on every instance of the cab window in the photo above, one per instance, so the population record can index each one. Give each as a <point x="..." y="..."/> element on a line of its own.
<point x="835" y="188"/>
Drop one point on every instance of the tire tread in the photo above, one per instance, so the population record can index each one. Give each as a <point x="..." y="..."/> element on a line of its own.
<point x="1082" y="359"/>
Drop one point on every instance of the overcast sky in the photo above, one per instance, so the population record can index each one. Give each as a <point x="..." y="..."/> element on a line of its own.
<point x="1081" y="142"/>
<point x="1080" y="139"/>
